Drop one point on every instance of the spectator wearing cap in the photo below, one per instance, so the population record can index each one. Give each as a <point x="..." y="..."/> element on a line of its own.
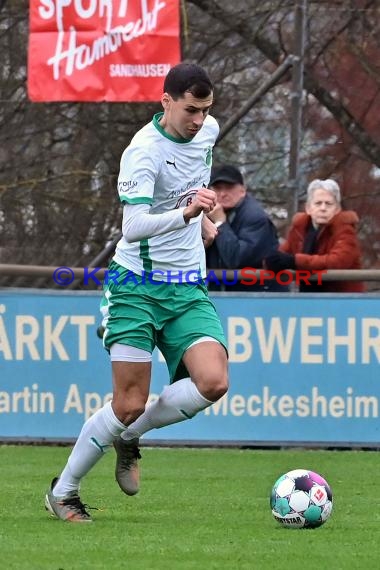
<point x="246" y="234"/>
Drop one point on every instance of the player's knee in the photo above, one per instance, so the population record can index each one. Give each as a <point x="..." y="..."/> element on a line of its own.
<point x="134" y="412"/>
<point x="128" y="412"/>
<point x="215" y="389"/>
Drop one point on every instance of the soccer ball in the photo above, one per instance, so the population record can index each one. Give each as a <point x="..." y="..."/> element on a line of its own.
<point x="301" y="499"/>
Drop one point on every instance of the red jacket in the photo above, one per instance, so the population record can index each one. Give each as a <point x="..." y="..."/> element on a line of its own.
<point x="337" y="248"/>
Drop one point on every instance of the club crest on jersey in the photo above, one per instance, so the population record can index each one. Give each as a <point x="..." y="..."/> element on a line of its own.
<point x="208" y="157"/>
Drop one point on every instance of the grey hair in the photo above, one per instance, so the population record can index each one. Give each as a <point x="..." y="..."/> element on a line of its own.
<point x="328" y="185"/>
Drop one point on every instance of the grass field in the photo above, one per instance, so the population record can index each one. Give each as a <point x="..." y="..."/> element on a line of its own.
<point x="197" y="509"/>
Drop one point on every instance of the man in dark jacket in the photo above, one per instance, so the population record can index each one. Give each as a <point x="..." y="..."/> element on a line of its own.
<point x="246" y="234"/>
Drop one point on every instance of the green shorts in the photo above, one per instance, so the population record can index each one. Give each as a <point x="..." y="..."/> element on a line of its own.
<point x="171" y="316"/>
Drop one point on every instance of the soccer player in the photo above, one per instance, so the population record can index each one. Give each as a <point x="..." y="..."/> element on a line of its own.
<point x="155" y="294"/>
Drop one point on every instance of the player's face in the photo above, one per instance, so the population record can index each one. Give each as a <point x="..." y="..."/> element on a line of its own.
<point x="322" y="207"/>
<point x="228" y="195"/>
<point x="184" y="117"/>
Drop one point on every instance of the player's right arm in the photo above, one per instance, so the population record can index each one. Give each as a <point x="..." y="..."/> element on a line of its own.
<point x="139" y="223"/>
<point x="139" y="169"/>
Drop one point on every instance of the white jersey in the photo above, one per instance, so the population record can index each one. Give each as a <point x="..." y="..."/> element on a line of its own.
<point x="159" y="176"/>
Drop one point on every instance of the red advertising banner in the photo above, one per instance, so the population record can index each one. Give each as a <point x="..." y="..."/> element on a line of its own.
<point x="101" y="50"/>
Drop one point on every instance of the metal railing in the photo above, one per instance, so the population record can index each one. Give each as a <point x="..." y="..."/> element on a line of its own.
<point x="12" y="270"/>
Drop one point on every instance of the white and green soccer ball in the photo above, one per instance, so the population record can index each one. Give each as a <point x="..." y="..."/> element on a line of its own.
<point x="301" y="499"/>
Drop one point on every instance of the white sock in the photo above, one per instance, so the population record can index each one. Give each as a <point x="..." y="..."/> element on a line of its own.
<point x="178" y="402"/>
<point x="95" y="438"/>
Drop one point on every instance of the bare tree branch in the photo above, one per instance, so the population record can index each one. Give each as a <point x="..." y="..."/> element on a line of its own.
<point x="272" y="51"/>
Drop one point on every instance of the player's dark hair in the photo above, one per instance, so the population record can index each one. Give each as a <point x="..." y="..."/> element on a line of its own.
<point x="188" y="77"/>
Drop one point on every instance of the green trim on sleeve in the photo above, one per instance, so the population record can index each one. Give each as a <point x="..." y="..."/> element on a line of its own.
<point x="144" y="254"/>
<point x="141" y="200"/>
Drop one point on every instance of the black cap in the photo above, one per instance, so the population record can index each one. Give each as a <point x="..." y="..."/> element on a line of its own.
<point x="226" y="173"/>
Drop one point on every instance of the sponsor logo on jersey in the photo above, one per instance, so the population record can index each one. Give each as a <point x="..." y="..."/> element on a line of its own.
<point x="194" y="183"/>
<point x="126" y="185"/>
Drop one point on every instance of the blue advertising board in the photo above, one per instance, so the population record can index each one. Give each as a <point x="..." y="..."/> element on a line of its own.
<point x="303" y="370"/>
